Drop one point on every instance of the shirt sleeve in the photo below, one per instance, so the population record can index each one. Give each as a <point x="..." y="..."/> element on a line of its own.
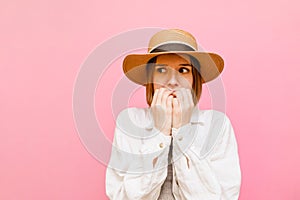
<point x="138" y="165"/>
<point x="214" y="174"/>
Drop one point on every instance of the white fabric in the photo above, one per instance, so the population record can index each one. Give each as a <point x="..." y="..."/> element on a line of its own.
<point x="205" y="158"/>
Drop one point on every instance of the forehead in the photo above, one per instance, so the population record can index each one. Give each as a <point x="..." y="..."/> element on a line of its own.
<point x="173" y="59"/>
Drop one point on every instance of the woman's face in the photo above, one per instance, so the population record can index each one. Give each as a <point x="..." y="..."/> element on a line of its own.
<point x="172" y="71"/>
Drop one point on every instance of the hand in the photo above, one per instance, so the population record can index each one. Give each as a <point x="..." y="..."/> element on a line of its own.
<point x="183" y="106"/>
<point x="161" y="108"/>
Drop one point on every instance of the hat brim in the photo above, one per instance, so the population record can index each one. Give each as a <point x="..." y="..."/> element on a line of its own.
<point x="134" y="65"/>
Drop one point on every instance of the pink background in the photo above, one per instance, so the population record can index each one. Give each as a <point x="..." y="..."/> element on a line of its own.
<point x="44" y="43"/>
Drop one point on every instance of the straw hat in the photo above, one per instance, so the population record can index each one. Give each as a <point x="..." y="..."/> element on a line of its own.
<point x="172" y="41"/>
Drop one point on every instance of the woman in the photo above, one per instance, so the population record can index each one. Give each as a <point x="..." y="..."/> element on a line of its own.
<point x="172" y="150"/>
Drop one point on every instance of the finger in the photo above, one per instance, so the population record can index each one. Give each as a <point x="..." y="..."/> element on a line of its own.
<point x="159" y="96"/>
<point x="186" y="98"/>
<point x="154" y="99"/>
<point x="165" y="95"/>
<point x="176" y="106"/>
<point x="169" y="101"/>
<point x="179" y="96"/>
<point x="175" y="103"/>
<point x="169" y="104"/>
<point x="193" y="94"/>
<point x="190" y="96"/>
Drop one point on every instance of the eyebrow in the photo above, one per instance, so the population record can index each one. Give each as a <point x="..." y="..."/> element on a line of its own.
<point x="186" y="64"/>
<point x="160" y="65"/>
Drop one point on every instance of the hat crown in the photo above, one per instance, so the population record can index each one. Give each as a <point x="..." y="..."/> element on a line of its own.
<point x="172" y="36"/>
<point x="172" y="41"/>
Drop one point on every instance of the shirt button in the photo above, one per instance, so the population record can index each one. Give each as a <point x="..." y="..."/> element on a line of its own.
<point x="180" y="138"/>
<point x="161" y="145"/>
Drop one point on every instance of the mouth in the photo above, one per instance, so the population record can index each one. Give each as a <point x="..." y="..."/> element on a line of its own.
<point x="173" y="91"/>
<point x="173" y="94"/>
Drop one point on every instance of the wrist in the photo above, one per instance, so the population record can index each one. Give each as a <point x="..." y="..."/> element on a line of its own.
<point x="167" y="132"/>
<point x="179" y="125"/>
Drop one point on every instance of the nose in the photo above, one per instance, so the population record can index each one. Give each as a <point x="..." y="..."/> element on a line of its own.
<point x="173" y="79"/>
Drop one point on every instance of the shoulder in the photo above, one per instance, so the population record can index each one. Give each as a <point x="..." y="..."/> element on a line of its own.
<point x="211" y="117"/>
<point x="216" y="126"/>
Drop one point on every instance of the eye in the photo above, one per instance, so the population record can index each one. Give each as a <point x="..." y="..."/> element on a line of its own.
<point x="161" y="69"/>
<point x="184" y="70"/>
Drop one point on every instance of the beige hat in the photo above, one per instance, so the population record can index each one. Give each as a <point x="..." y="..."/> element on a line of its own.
<point x="172" y="41"/>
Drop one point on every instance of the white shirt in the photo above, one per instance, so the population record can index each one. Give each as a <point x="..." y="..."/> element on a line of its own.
<point x="205" y="158"/>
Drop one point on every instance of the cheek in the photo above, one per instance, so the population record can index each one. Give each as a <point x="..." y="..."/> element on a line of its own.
<point x="158" y="82"/>
<point x="156" y="86"/>
<point x="190" y="80"/>
<point x="187" y="81"/>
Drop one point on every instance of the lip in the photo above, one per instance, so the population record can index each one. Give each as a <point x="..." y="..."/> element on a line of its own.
<point x="171" y="89"/>
<point x="173" y="93"/>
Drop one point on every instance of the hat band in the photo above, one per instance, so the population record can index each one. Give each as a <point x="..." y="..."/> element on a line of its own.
<point x="172" y="46"/>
